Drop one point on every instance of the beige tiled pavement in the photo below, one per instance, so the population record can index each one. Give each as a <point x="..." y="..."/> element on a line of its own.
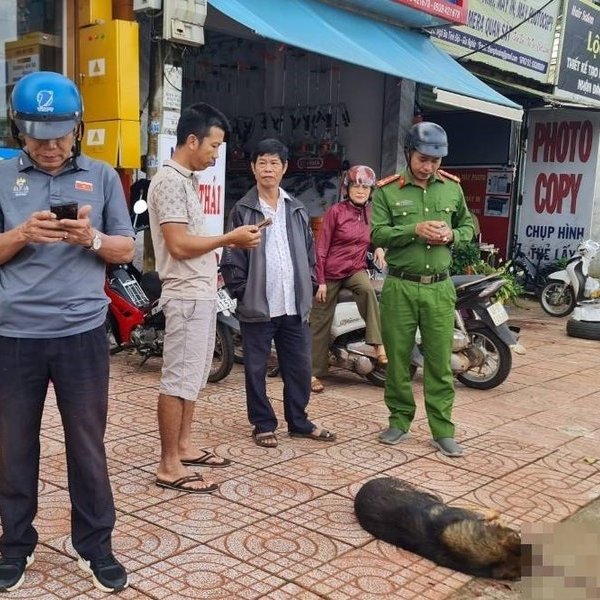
<point x="282" y="525"/>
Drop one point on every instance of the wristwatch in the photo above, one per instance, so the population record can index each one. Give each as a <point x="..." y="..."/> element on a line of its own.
<point x="96" y="242"/>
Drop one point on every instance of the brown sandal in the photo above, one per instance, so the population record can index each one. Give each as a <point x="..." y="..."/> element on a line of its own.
<point x="265" y="439"/>
<point x="316" y="386"/>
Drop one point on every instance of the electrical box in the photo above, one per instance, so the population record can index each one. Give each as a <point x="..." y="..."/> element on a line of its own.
<point x="183" y="21"/>
<point x="146" y="4"/>
<point x="92" y="12"/>
<point x="115" y="142"/>
<point x="109" y="64"/>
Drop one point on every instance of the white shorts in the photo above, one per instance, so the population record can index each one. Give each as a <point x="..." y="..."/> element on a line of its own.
<point x="188" y="347"/>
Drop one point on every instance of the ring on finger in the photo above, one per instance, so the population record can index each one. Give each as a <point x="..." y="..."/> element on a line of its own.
<point x="65" y="235"/>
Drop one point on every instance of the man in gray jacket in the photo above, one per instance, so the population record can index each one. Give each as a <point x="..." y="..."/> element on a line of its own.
<point x="274" y="286"/>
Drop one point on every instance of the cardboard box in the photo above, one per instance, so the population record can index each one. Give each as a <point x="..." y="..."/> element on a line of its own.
<point x="35" y="51"/>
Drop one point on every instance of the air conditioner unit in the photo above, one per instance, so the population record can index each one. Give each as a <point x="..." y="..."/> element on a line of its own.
<point x="183" y="21"/>
<point x="141" y="5"/>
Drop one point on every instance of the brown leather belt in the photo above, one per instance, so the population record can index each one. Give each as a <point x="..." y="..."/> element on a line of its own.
<point x="418" y="278"/>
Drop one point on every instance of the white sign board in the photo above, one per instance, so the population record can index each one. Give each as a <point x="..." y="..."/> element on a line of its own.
<point x="211" y="184"/>
<point x="559" y="183"/>
<point x="525" y="47"/>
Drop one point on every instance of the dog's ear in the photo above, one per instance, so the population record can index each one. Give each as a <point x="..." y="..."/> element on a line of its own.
<point x="489" y="515"/>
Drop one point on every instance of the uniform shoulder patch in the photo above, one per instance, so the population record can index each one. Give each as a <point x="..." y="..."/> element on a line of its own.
<point x="446" y="175"/>
<point x="387" y="180"/>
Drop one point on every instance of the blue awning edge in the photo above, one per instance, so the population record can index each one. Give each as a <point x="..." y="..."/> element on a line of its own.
<point x="357" y="39"/>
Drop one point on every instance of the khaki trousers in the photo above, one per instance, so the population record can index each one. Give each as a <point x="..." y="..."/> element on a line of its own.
<point x="321" y="317"/>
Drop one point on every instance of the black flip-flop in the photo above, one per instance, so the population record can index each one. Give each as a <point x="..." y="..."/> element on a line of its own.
<point x="179" y="485"/>
<point x="203" y="461"/>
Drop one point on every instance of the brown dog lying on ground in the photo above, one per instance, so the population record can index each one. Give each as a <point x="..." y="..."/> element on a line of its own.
<point x="464" y="540"/>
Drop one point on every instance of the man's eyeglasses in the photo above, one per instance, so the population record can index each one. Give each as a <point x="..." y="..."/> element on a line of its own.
<point x="360" y="186"/>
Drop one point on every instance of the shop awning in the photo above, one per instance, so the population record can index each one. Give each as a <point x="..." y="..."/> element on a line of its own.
<point x="357" y="39"/>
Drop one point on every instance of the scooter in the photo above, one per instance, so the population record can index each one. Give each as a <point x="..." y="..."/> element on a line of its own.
<point x="136" y="320"/>
<point x="482" y="342"/>
<point x="572" y="284"/>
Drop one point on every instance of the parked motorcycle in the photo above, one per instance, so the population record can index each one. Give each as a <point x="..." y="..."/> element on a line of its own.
<point x="135" y="319"/>
<point x="481" y="349"/>
<point x="572" y="284"/>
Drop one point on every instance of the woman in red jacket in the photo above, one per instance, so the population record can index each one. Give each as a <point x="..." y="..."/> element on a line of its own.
<point x="342" y="246"/>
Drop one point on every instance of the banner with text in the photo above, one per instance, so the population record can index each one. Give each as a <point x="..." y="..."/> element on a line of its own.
<point x="559" y="182"/>
<point x="579" y="66"/>
<point x="526" y="50"/>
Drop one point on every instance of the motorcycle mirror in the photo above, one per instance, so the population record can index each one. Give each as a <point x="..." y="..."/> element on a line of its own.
<point x="140" y="206"/>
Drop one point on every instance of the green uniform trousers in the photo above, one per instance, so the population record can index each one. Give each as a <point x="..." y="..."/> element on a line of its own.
<point x="406" y="305"/>
<point x="322" y="313"/>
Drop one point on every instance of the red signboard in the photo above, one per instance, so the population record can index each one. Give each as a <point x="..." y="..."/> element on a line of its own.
<point x="453" y="11"/>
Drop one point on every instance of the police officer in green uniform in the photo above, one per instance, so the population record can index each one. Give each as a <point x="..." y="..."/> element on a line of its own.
<point x="417" y="215"/>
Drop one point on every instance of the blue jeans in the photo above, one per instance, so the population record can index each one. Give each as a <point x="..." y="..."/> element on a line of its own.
<point x="77" y="366"/>
<point x="292" y="342"/>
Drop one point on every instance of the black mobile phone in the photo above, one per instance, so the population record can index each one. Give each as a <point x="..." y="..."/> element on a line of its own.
<point x="65" y="211"/>
<point x="268" y="221"/>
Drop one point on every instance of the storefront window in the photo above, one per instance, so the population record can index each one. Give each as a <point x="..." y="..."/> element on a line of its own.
<point x="31" y="39"/>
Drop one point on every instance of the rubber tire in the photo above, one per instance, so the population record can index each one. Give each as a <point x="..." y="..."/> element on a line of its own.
<point x="549" y="309"/>
<point x="586" y="330"/>
<point x="238" y="352"/>
<point x="222" y="365"/>
<point x="504" y="357"/>
<point x="112" y="335"/>
<point x="377" y="376"/>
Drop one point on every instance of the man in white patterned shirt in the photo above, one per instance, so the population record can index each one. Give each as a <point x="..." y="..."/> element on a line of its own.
<point x="187" y="266"/>
<point x="274" y="286"/>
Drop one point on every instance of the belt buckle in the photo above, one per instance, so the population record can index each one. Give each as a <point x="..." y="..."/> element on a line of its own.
<point x="426" y="279"/>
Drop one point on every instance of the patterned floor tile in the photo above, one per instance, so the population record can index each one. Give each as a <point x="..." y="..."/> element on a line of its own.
<point x="200" y="517"/>
<point x="518" y="504"/>
<point x="368" y="453"/>
<point x="446" y="480"/>
<point x="136" y="543"/>
<point x="370" y="573"/>
<point x="268" y="492"/>
<point x="289" y="591"/>
<point x="280" y="547"/>
<point x="203" y="573"/>
<point x="245" y="451"/>
<point x="509" y="446"/>
<point x="482" y="462"/>
<point x="320" y="471"/>
<point x="542" y="480"/>
<point x="330" y="515"/>
<point x="535" y="430"/>
<point x="136" y="450"/>
<point x="569" y="463"/>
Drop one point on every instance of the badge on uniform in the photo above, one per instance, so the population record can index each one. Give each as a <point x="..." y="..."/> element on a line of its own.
<point x="84" y="186"/>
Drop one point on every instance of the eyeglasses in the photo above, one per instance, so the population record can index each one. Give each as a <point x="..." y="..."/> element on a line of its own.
<point x="359" y="186"/>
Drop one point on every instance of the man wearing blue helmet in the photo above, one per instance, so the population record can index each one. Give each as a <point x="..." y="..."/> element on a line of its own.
<point x="63" y="216"/>
<point x="417" y="215"/>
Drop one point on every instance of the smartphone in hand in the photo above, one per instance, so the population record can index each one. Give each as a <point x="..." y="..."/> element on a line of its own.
<point x="67" y="210"/>
<point x="268" y="221"/>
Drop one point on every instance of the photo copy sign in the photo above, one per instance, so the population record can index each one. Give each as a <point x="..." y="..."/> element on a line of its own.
<point x="559" y="182"/>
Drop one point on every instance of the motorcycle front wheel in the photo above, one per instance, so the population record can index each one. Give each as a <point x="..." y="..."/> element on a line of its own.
<point x="222" y="362"/>
<point x="558" y="299"/>
<point x="496" y="365"/>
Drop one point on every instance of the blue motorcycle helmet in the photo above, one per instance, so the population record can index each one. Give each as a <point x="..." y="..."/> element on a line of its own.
<point x="45" y="106"/>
